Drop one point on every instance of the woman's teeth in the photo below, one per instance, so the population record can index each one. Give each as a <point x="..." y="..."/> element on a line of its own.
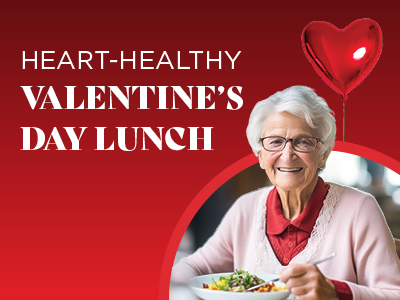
<point x="289" y="169"/>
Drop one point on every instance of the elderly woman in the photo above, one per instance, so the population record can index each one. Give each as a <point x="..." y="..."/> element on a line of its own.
<point x="280" y="229"/>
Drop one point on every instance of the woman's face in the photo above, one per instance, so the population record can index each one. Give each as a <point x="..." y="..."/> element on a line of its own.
<point x="287" y="169"/>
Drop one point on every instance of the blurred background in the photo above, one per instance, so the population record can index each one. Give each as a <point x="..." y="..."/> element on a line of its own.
<point x="341" y="168"/>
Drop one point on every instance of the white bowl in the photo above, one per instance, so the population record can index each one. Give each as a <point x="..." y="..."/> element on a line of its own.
<point x="196" y="284"/>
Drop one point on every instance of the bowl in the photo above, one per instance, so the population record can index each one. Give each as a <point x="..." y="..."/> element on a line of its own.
<point x="196" y="284"/>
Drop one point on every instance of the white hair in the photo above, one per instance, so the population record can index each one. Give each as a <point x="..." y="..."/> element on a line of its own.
<point x="300" y="101"/>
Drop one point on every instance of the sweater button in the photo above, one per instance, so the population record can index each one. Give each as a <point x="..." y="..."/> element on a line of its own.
<point x="286" y="260"/>
<point x="290" y="244"/>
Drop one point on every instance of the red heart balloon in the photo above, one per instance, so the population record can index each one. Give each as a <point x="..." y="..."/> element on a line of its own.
<point x="343" y="58"/>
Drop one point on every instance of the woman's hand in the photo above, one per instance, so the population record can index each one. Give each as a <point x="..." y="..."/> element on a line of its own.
<point x="307" y="282"/>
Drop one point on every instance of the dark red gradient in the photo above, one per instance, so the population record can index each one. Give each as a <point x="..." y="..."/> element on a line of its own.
<point x="97" y="224"/>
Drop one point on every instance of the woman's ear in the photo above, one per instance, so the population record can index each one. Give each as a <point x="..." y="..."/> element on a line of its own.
<point x="324" y="159"/>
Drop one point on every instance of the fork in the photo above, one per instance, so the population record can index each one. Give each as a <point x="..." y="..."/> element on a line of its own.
<point x="277" y="279"/>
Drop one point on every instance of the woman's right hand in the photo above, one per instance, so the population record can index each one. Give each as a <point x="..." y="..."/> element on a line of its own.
<point x="306" y="282"/>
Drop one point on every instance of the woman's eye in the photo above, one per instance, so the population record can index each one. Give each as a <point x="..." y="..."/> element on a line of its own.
<point x="275" y="142"/>
<point x="305" y="142"/>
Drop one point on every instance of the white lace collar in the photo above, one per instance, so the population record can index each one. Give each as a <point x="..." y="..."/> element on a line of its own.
<point x="266" y="261"/>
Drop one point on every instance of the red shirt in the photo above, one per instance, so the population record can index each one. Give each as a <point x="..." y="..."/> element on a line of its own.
<point x="288" y="238"/>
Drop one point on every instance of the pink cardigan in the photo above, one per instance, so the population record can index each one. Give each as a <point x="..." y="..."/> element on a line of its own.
<point x="350" y="223"/>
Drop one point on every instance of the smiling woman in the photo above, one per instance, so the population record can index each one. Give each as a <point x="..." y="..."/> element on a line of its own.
<point x="280" y="229"/>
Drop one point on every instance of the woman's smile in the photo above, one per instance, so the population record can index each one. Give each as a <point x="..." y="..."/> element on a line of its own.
<point x="290" y="170"/>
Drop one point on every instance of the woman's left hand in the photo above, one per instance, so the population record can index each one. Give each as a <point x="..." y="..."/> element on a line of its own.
<point x="307" y="282"/>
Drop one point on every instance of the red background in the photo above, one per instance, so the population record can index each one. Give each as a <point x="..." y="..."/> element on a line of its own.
<point x="98" y="224"/>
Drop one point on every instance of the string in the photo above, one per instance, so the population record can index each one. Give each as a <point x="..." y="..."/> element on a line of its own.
<point x="344" y="117"/>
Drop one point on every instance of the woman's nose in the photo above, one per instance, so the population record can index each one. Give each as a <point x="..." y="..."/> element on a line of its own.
<point x="288" y="153"/>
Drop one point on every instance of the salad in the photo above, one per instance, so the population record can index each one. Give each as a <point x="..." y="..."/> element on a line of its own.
<point x="239" y="282"/>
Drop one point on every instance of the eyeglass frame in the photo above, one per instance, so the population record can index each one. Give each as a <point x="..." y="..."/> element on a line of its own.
<point x="261" y="140"/>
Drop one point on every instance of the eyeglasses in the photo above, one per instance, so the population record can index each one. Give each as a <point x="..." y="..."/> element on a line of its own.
<point x="300" y="144"/>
